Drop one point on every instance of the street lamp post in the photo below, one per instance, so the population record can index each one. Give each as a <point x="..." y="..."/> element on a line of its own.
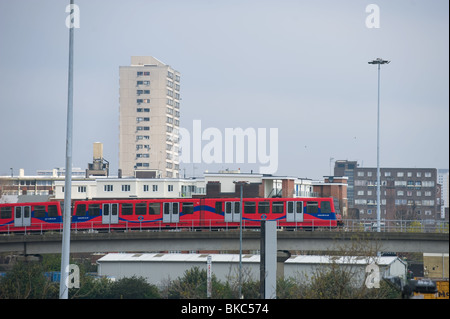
<point x="378" y="61"/>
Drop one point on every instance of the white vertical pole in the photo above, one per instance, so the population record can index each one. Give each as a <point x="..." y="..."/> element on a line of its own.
<point x="63" y="286"/>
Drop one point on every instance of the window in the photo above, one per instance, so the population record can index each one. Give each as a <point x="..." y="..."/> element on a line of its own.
<point x="419" y="174"/>
<point x="141" y="209"/>
<point x="81" y="189"/>
<point x="360" y="173"/>
<point x="218" y="207"/>
<point x="170" y="188"/>
<point x="145" y="188"/>
<point x="127" y="209"/>
<point x="400" y="174"/>
<point x="81" y="210"/>
<point x="39" y="211"/>
<point x="312" y="207"/>
<point x="400" y="193"/>
<point x="108" y="188"/>
<point x="126" y="188"/>
<point x="188" y="208"/>
<point x="264" y="207"/>
<point x="52" y="211"/>
<point x="278" y="207"/>
<point x="386" y="174"/>
<point x="325" y="207"/>
<point x="249" y="207"/>
<point x="427" y="174"/>
<point x="5" y="212"/>
<point x="94" y="210"/>
<point x="153" y="208"/>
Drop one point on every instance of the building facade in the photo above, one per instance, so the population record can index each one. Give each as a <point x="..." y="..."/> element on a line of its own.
<point x="149" y="117"/>
<point x="406" y="193"/>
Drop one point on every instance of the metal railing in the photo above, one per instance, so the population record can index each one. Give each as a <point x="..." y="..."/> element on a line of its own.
<point x="349" y="225"/>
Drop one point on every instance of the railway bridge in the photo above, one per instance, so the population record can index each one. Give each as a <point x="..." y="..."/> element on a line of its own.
<point x="154" y="241"/>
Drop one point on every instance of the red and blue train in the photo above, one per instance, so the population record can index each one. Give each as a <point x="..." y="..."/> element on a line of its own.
<point x="193" y="213"/>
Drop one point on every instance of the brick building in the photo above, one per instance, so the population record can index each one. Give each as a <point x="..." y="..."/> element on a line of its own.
<point x="406" y="193"/>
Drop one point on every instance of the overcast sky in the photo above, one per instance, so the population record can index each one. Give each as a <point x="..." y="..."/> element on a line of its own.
<point x="298" y="66"/>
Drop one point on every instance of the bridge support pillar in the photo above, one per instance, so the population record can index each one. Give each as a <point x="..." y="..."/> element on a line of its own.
<point x="268" y="261"/>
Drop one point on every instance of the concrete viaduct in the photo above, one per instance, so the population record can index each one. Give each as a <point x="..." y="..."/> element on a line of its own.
<point x="144" y="241"/>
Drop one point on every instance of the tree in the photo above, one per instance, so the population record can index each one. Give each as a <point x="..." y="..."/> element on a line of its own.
<point x="26" y="280"/>
<point x="133" y="288"/>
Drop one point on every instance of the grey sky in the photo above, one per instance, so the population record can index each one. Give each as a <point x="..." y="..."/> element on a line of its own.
<point x="299" y="66"/>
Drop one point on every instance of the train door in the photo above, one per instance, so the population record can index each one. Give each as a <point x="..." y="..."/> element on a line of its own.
<point x="294" y="211"/>
<point x="22" y="216"/>
<point x="110" y="214"/>
<point x="232" y="212"/>
<point x="171" y="212"/>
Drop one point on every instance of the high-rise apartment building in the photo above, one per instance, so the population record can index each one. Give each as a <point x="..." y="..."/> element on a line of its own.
<point x="149" y="118"/>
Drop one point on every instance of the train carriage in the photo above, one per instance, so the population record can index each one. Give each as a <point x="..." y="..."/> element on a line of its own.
<point x="20" y="217"/>
<point x="194" y="213"/>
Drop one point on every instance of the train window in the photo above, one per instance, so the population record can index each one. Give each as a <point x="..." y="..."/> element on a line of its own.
<point x="166" y="208"/>
<point x="94" y="210"/>
<point x="250" y="207"/>
<point x="81" y="210"/>
<point x="127" y="209"/>
<point x="237" y="207"/>
<point x="278" y="207"/>
<point x="39" y="211"/>
<point x="264" y="207"/>
<point x="5" y="212"/>
<point x="26" y="212"/>
<point x="299" y="207"/>
<point x="218" y="207"/>
<point x="52" y="211"/>
<point x="141" y="209"/>
<point x="18" y="212"/>
<point x="325" y="207"/>
<point x="153" y="208"/>
<point x="228" y="207"/>
<point x="290" y="208"/>
<point x="188" y="208"/>
<point x="312" y="207"/>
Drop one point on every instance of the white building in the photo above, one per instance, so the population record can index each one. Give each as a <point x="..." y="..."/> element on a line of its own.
<point x="126" y="188"/>
<point x="302" y="267"/>
<point x="149" y="117"/>
<point x="157" y="268"/>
